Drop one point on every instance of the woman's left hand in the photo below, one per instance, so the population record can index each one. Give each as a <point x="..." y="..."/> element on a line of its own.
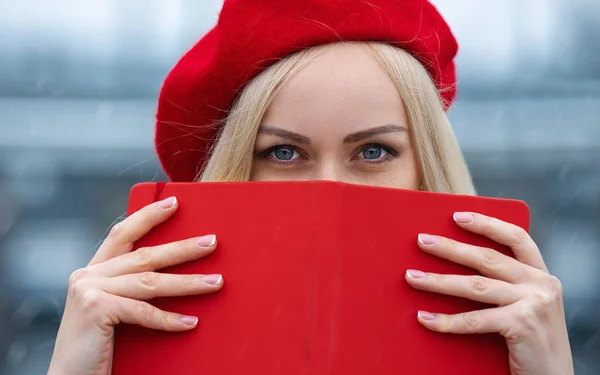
<point x="530" y="313"/>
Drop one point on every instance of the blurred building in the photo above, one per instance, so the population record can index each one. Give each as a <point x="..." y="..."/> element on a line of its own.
<point x="78" y="85"/>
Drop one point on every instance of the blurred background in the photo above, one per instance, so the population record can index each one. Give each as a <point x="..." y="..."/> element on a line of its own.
<point x="78" y="86"/>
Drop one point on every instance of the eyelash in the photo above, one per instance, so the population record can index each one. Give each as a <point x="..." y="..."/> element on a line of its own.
<point x="266" y="154"/>
<point x="391" y="153"/>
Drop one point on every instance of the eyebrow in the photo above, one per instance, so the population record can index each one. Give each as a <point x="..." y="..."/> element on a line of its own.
<point x="350" y="138"/>
<point x="358" y="136"/>
<point x="270" y="130"/>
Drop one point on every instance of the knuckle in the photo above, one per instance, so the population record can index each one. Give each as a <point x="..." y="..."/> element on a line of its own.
<point x="471" y="320"/>
<point x="181" y="247"/>
<point x="551" y="294"/>
<point x="148" y="279"/>
<point x="184" y="249"/>
<point x="190" y="280"/>
<point x="91" y="300"/>
<point x="445" y="323"/>
<point x="145" y="311"/>
<point x="115" y="230"/>
<point x="555" y="286"/>
<point x="479" y="285"/>
<point x="525" y="319"/>
<point x="143" y="258"/>
<point x="461" y="249"/>
<point x="543" y="300"/>
<point x="165" y="320"/>
<point x="520" y="235"/>
<point x="78" y="289"/>
<point x="121" y="233"/>
<point x="491" y="259"/>
<point x="79" y="292"/>
<point x="525" y="313"/>
<point x="77" y="276"/>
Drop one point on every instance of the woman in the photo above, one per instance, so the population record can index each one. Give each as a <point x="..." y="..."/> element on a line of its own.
<point x="344" y="90"/>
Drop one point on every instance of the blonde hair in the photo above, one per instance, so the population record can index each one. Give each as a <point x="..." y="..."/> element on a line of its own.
<point x="439" y="158"/>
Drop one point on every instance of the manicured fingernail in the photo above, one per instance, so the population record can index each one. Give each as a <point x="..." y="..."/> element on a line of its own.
<point x="426" y="315"/>
<point x="213" y="279"/>
<point x="415" y="274"/>
<point x="168" y="203"/>
<point x="463" y="217"/>
<point x="206" y="241"/>
<point x="189" y="320"/>
<point x="427" y="239"/>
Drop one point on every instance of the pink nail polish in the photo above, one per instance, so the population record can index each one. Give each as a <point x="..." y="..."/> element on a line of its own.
<point x="206" y="241"/>
<point x="168" y="203"/>
<point x="426" y="315"/>
<point x="213" y="279"/>
<point x="463" y="217"/>
<point x="189" y="320"/>
<point x="427" y="239"/>
<point x="415" y="274"/>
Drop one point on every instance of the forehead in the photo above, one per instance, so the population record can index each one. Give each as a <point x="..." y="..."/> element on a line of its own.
<point x="344" y="88"/>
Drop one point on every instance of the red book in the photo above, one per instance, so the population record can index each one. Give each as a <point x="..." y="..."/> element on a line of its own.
<point x="314" y="282"/>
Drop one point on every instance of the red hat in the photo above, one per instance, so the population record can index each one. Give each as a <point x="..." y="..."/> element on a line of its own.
<point x="253" y="34"/>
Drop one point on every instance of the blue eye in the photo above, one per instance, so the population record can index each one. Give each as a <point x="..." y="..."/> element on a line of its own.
<point x="284" y="153"/>
<point x="373" y="152"/>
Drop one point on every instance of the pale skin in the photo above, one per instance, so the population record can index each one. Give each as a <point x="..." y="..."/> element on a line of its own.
<point x="340" y="119"/>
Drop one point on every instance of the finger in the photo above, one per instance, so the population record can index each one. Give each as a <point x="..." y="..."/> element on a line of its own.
<point x="488" y="262"/>
<point x="148" y="285"/>
<point x="507" y="234"/>
<point x="157" y="257"/>
<point x="123" y="235"/>
<point x="476" y="288"/>
<point x="141" y="313"/>
<point x="481" y="321"/>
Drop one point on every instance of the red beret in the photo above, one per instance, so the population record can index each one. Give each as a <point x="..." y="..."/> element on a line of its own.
<point x="250" y="35"/>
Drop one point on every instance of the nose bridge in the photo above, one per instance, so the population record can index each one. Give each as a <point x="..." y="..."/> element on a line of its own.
<point x="329" y="170"/>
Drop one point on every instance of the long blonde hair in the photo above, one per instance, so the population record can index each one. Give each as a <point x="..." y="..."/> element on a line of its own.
<point x="440" y="160"/>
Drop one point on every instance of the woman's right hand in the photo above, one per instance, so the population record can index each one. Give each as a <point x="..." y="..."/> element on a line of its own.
<point x="114" y="285"/>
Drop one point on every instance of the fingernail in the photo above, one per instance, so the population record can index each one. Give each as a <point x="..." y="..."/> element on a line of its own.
<point x="463" y="217"/>
<point x="189" y="320"/>
<point x="213" y="279"/>
<point x="168" y="203"/>
<point x="427" y="239"/>
<point x="415" y="274"/>
<point x="206" y="241"/>
<point x="426" y="315"/>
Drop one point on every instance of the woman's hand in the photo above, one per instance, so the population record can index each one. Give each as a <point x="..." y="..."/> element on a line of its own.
<point x="112" y="288"/>
<point x="530" y="312"/>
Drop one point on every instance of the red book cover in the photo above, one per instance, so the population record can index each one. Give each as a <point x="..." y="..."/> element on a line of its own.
<point x="314" y="282"/>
